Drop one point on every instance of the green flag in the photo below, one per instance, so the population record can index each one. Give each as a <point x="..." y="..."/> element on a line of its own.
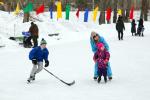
<point x="67" y="11"/>
<point x="28" y="8"/>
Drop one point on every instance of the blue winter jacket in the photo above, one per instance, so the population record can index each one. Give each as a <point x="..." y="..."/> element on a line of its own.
<point x="39" y="54"/>
<point x="101" y="40"/>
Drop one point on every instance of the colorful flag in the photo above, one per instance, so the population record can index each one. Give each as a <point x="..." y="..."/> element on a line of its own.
<point x="131" y="13"/>
<point x="119" y="12"/>
<point x="40" y="9"/>
<point x="16" y="12"/>
<point x="77" y="13"/>
<point x="59" y="10"/>
<point x="28" y="8"/>
<point x="51" y="12"/>
<point x="95" y="13"/>
<point x="67" y="11"/>
<point x="108" y="14"/>
<point x="86" y="15"/>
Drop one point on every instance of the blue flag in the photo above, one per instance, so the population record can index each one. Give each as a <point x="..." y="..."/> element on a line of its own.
<point x="26" y="34"/>
<point x="86" y="15"/>
<point x="51" y="12"/>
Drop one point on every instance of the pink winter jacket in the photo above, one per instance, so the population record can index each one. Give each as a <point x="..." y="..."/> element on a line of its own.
<point x="102" y="58"/>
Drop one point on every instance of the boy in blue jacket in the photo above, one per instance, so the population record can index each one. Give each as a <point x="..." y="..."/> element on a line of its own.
<point x="37" y="55"/>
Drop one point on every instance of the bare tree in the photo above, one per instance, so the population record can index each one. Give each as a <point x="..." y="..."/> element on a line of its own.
<point x="102" y="12"/>
<point x="26" y="14"/>
<point x="144" y="10"/>
<point x="128" y="6"/>
<point x="115" y="10"/>
<point x="122" y="7"/>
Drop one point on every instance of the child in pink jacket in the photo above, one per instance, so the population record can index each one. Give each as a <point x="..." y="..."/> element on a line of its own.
<point x="101" y="57"/>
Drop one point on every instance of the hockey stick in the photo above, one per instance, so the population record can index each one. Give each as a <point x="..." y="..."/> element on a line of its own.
<point x="69" y="84"/>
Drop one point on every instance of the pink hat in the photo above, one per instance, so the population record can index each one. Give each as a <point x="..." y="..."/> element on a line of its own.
<point x="99" y="45"/>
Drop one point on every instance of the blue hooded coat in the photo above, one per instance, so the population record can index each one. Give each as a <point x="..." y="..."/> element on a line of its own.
<point x="39" y="54"/>
<point x="94" y="49"/>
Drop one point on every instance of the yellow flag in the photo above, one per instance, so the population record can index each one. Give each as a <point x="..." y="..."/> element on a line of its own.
<point x="119" y="12"/>
<point x="95" y="14"/>
<point x="1" y="3"/>
<point x="17" y="9"/>
<point x="59" y="10"/>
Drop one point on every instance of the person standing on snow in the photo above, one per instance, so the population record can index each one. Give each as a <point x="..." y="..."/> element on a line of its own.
<point x="140" y="28"/>
<point x="133" y="27"/>
<point x="95" y="38"/>
<point x="34" y="33"/>
<point x="37" y="55"/>
<point x="119" y="27"/>
<point x="27" y="39"/>
<point x="101" y="57"/>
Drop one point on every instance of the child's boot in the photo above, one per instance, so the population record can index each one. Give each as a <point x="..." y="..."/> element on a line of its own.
<point x="99" y="79"/>
<point x="105" y="79"/>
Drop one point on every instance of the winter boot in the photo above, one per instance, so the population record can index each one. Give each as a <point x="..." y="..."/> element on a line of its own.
<point x="95" y="78"/>
<point x="105" y="79"/>
<point x="110" y="78"/>
<point x="31" y="78"/>
<point x="99" y="79"/>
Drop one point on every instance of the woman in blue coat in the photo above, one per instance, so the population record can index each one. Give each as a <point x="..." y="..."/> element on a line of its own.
<point x="95" y="38"/>
<point x="37" y="55"/>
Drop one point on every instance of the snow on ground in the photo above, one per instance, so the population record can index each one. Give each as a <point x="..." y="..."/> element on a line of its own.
<point x="71" y="59"/>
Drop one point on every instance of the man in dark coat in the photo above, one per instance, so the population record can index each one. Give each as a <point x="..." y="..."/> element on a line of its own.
<point x="119" y="27"/>
<point x="34" y="33"/>
<point x="140" y="28"/>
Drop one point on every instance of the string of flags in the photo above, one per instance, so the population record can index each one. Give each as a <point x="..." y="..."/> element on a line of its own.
<point x="29" y="7"/>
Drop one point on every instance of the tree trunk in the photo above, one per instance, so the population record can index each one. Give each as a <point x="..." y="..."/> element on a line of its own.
<point x="102" y="12"/>
<point x="115" y="10"/>
<point x="128" y="7"/>
<point x="26" y="17"/>
<point x="146" y="10"/>
<point x="7" y="6"/>
<point x="123" y="9"/>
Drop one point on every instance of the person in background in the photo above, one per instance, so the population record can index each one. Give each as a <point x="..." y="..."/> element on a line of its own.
<point x="140" y="28"/>
<point x="119" y="27"/>
<point x="34" y="33"/>
<point x="133" y="27"/>
<point x="27" y="39"/>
